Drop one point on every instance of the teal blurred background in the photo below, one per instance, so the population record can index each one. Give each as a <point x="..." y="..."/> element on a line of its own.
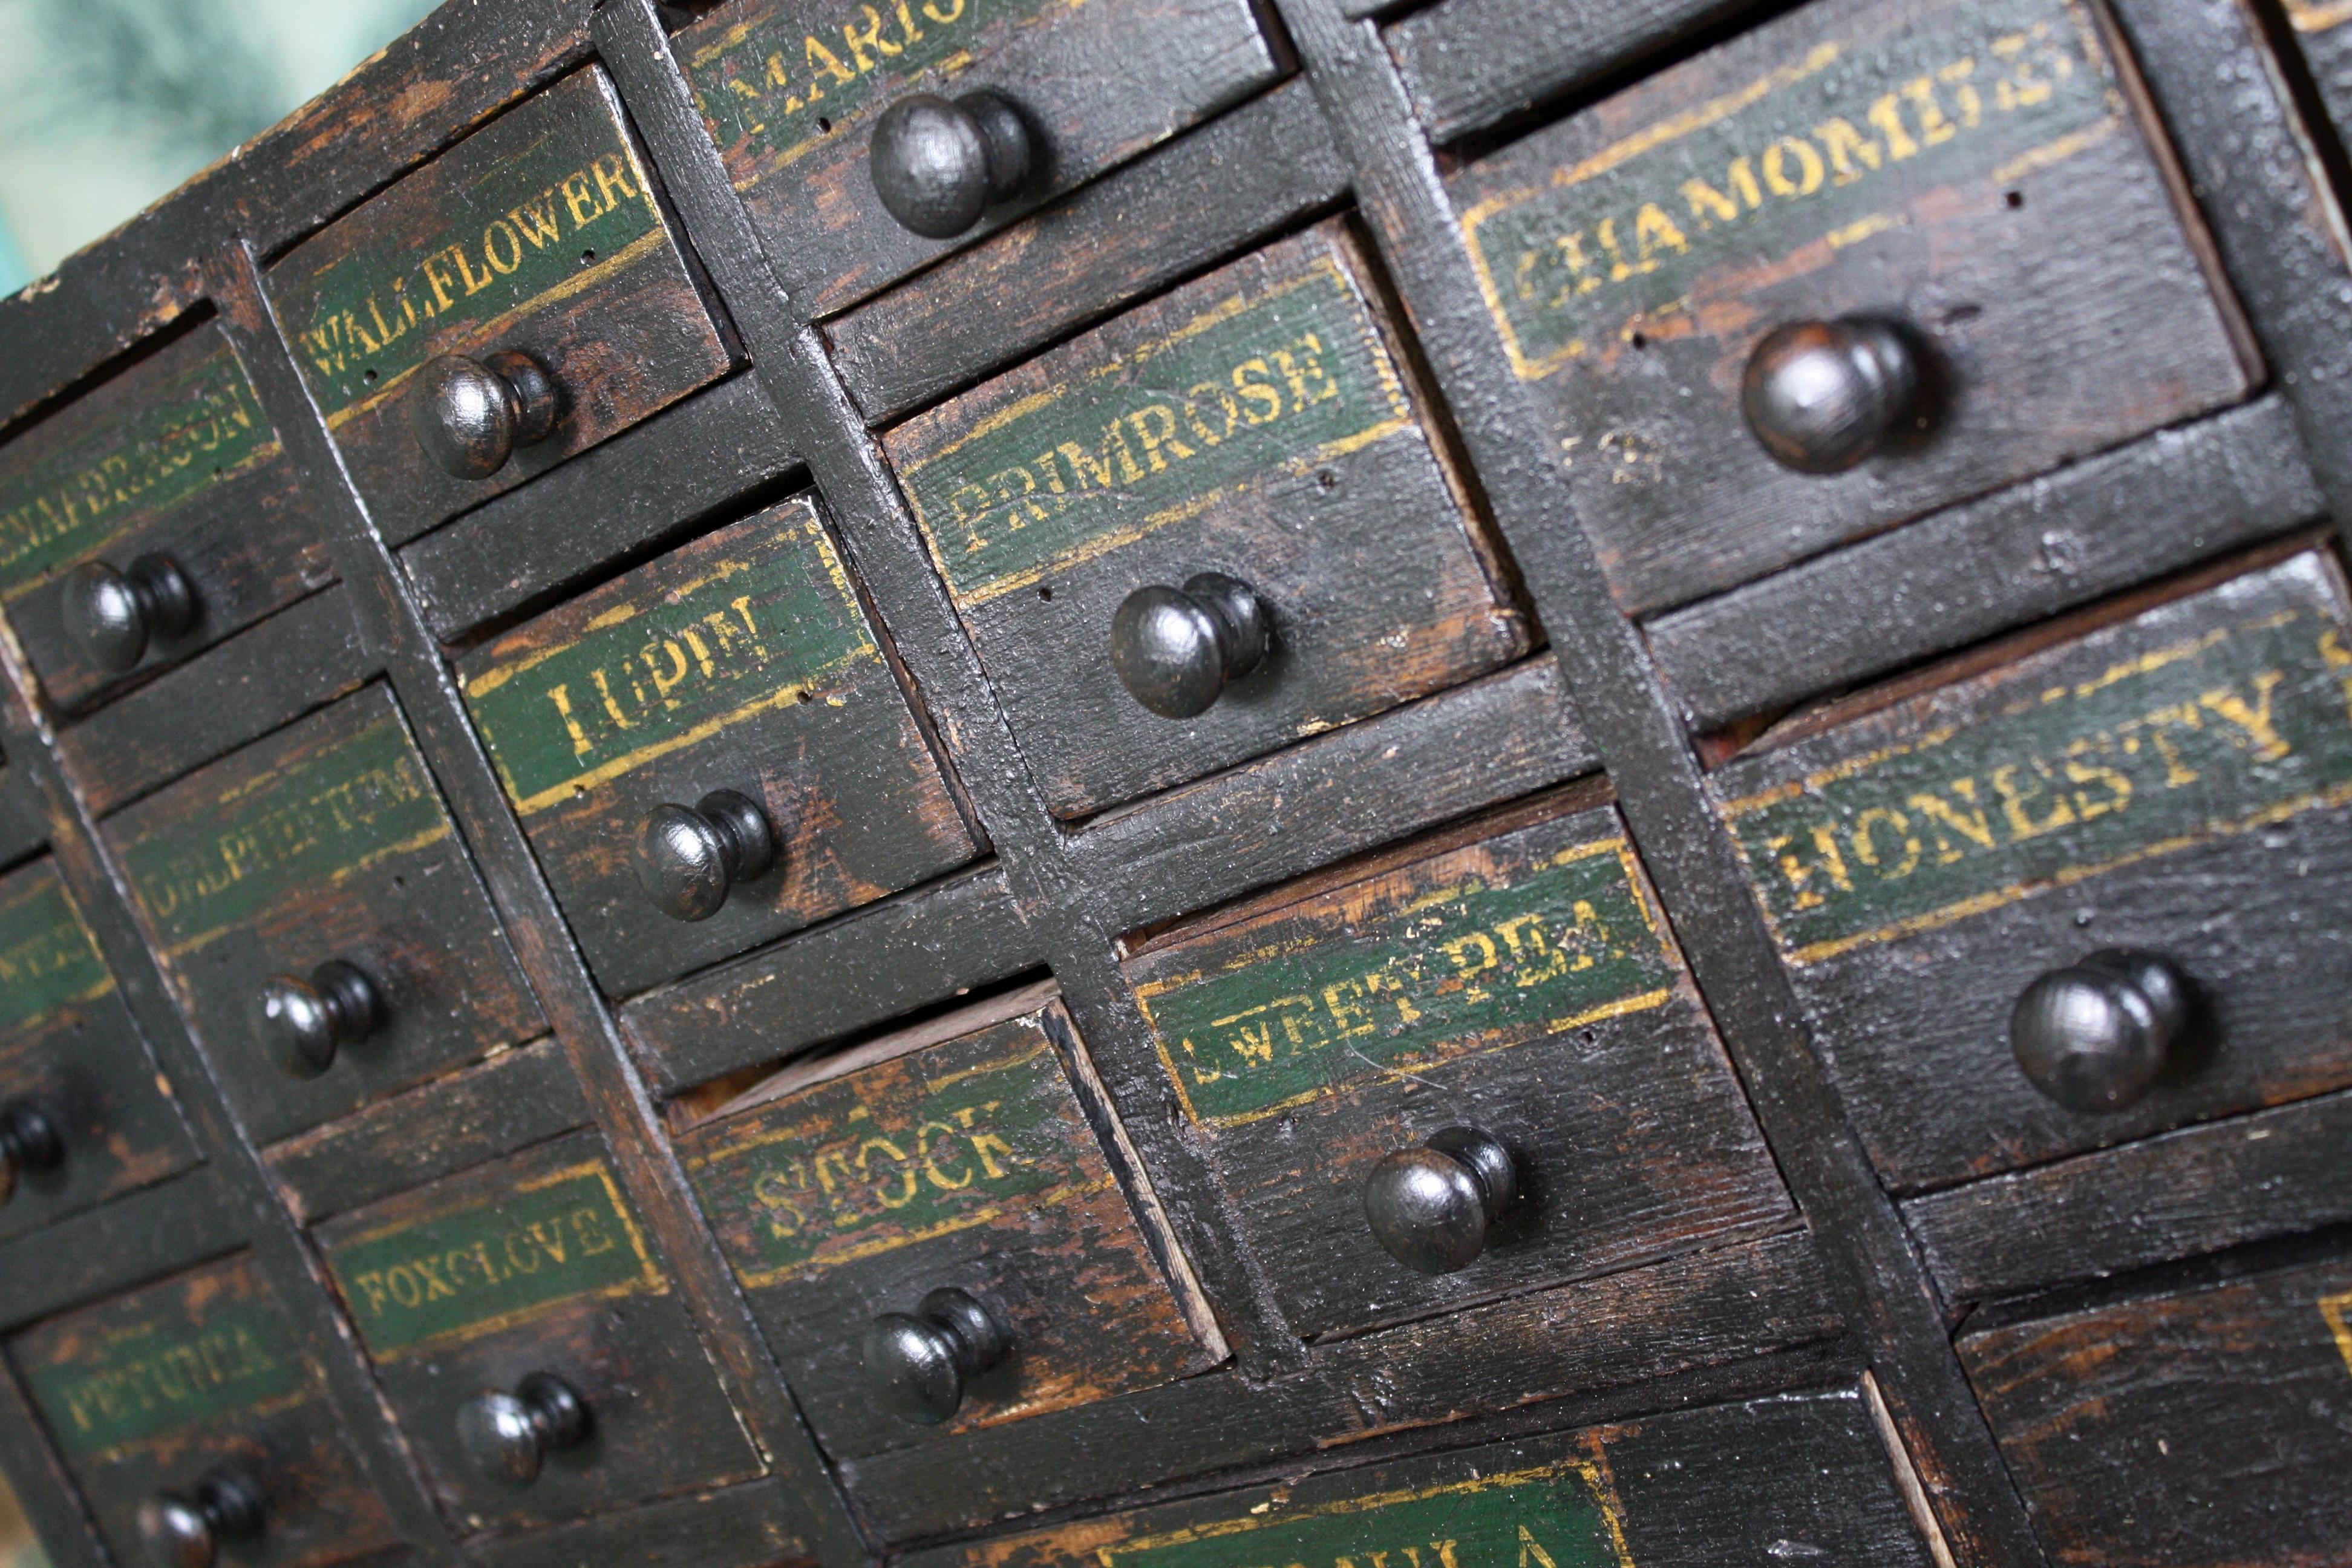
<point x="106" y="105"/>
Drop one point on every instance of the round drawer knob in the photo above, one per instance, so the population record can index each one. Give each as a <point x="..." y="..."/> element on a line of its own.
<point x="470" y="414"/>
<point x="2094" y="1035"/>
<point x="29" y="1140"/>
<point x="1430" y="1207"/>
<point x="186" y="1531"/>
<point x="303" y="1023"/>
<point x="688" y="857"/>
<point x="918" y="1363"/>
<point x="1823" y="396"/>
<point x="114" y="616"/>
<point x="1177" y="649"/>
<point x="938" y="165"/>
<point x="508" y="1437"/>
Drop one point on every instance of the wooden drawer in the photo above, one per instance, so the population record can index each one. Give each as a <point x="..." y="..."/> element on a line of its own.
<point x="2207" y="1428"/>
<point x="542" y="235"/>
<point x="1300" y="462"/>
<point x="535" y="1267"/>
<point x="790" y="90"/>
<point x="170" y="459"/>
<point x="156" y="1392"/>
<point x="325" y="843"/>
<point x="744" y="662"/>
<point x="2173" y="781"/>
<point x="1514" y="978"/>
<point x="961" y="1156"/>
<point x="70" y="1054"/>
<point x="1981" y="176"/>
<point x="1802" y="1477"/>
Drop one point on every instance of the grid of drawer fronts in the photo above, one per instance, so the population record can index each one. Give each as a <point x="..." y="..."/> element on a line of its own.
<point x="1517" y="783"/>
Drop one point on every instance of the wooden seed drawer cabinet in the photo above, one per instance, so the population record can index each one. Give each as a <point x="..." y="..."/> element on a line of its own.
<point x="1196" y="783"/>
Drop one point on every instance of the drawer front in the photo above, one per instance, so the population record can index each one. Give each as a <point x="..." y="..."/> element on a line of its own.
<point x="325" y="843"/>
<point x="745" y="663"/>
<point x="2175" y="784"/>
<point x="174" y="458"/>
<point x="1257" y="424"/>
<point x="1802" y="1477"/>
<point x="968" y="1165"/>
<point x="1925" y="164"/>
<point x="1523" y="984"/>
<point x="790" y="90"/>
<point x="539" y="235"/>
<point x="2208" y="1427"/>
<point x="159" y="1391"/>
<point x="535" y="1265"/>
<point x="70" y="1054"/>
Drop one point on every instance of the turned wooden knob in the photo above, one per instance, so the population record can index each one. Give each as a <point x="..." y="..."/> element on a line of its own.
<point x="1430" y="1208"/>
<point x="114" y="616"/>
<point x="2095" y="1034"/>
<point x="1823" y="396"/>
<point x="469" y="415"/>
<point x="937" y="164"/>
<point x="1176" y="649"/>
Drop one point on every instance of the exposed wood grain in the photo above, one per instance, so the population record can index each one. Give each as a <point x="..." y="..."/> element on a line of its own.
<point x="743" y="662"/>
<point x="1298" y="461"/>
<point x="174" y="458"/>
<point x="968" y="1163"/>
<point x="1472" y="64"/>
<point x="1099" y="83"/>
<point x="327" y="840"/>
<point x="543" y="233"/>
<point x="1638" y="373"/>
<point x="1203" y="196"/>
<point x="734" y="1527"/>
<point x="150" y="1392"/>
<point x="1519" y="982"/>
<point x="1985" y="567"/>
<point x="2199" y="1190"/>
<point x="1336" y="795"/>
<point x="254" y="682"/>
<point x="516" y="1098"/>
<point x="853" y="973"/>
<point x="1801" y="1476"/>
<point x="2217" y="844"/>
<point x="565" y="1285"/>
<point x="2193" y="1430"/>
<point x="155" y="1231"/>
<point x="70" y="1050"/>
<point x="1703" y="1309"/>
<point x="648" y="487"/>
<point x="459" y="66"/>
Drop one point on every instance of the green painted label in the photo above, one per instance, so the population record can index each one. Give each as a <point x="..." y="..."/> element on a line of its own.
<point x="1289" y="371"/>
<point x="2234" y="727"/>
<point x="938" y="1141"/>
<point x="486" y="1264"/>
<point x="1558" y="1516"/>
<point x="47" y="957"/>
<point x="164" y="1373"/>
<point x="316" y="819"/>
<point x="759" y="618"/>
<point x="542" y="205"/>
<point x="776" y="81"/>
<point x="187" y="425"/>
<point x="1454" y="956"/>
<point x="1829" y="147"/>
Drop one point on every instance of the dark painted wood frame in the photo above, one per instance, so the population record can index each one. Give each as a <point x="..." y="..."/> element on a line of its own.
<point x="1607" y="695"/>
